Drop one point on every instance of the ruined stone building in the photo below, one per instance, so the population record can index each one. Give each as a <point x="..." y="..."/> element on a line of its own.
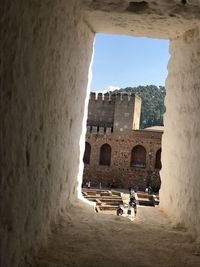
<point x="46" y="52"/>
<point x="116" y="151"/>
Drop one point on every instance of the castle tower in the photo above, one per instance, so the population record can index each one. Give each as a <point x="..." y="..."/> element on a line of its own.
<point x="127" y="112"/>
<point x="119" y="112"/>
<point x="100" y="110"/>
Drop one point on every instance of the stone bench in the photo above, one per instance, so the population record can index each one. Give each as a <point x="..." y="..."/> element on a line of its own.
<point x="104" y="199"/>
<point x="156" y="199"/>
<point x="142" y="195"/>
<point x="108" y="207"/>
<point x="106" y="193"/>
<point x="115" y="193"/>
<point x="112" y="201"/>
<point x="110" y="197"/>
<point x="98" y="201"/>
<point x="93" y="193"/>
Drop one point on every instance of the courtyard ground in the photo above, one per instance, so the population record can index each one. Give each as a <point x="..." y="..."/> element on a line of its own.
<point x="83" y="238"/>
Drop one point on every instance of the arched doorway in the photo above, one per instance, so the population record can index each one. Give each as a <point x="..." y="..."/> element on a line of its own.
<point x="105" y="155"/>
<point x="138" y="157"/>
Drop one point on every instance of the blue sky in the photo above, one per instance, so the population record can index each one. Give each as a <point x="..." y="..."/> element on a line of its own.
<point x="122" y="61"/>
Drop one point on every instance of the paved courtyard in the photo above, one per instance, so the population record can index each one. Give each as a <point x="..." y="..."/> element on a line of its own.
<point x="84" y="238"/>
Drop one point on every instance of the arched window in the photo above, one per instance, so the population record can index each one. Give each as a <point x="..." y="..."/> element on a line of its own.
<point x="158" y="164"/>
<point x="105" y="155"/>
<point x="86" y="158"/>
<point x="138" y="157"/>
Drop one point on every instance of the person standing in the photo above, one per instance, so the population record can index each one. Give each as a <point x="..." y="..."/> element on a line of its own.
<point x="129" y="210"/>
<point x="132" y="206"/>
<point x="132" y="193"/>
<point x="150" y="191"/>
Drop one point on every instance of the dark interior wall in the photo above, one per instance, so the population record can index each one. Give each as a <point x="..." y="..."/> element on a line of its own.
<point x="46" y="50"/>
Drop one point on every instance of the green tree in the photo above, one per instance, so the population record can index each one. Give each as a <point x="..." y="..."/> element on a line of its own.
<point x="152" y="103"/>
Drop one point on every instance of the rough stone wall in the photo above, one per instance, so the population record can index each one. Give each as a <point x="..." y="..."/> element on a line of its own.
<point x="124" y="112"/>
<point x="180" y="155"/>
<point x="173" y="20"/>
<point x="137" y="113"/>
<point x="120" y="171"/>
<point x="152" y="18"/>
<point x="116" y="111"/>
<point x="45" y="55"/>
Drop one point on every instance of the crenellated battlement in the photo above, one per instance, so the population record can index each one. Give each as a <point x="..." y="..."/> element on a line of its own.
<point x="125" y="97"/>
<point x="99" y="130"/>
<point x="119" y="112"/>
<point x="100" y="97"/>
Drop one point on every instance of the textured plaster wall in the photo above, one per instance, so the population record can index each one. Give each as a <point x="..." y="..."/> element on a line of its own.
<point x="46" y="51"/>
<point x="151" y="18"/>
<point x="179" y="194"/>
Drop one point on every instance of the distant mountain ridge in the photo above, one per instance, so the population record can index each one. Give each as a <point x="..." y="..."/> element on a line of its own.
<point x="153" y="106"/>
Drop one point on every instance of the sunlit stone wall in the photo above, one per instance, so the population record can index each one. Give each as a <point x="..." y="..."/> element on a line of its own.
<point x="180" y="191"/>
<point x="46" y="54"/>
<point x="173" y="20"/>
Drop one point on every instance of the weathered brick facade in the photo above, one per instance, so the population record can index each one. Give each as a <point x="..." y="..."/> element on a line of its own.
<point x="122" y="156"/>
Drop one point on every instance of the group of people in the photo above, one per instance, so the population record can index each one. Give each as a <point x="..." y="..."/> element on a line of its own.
<point x="132" y="205"/>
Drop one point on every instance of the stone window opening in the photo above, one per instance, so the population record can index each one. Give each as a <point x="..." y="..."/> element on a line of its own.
<point x="105" y="155"/>
<point x="65" y="90"/>
<point x="86" y="157"/>
<point x="138" y="157"/>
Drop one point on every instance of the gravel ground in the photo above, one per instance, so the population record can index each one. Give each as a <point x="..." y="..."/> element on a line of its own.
<point x="83" y="238"/>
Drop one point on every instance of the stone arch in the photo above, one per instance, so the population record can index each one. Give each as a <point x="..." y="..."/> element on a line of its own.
<point x="158" y="164"/>
<point x="138" y="156"/>
<point x="105" y="155"/>
<point x="86" y="157"/>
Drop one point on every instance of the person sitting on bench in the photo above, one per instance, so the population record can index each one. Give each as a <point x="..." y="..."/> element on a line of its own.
<point x="119" y="211"/>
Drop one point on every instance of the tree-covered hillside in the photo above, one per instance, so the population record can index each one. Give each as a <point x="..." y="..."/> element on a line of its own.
<point x="152" y="103"/>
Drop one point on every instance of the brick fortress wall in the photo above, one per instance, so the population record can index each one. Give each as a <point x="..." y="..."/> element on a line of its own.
<point x="111" y="120"/>
<point x="120" y="172"/>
